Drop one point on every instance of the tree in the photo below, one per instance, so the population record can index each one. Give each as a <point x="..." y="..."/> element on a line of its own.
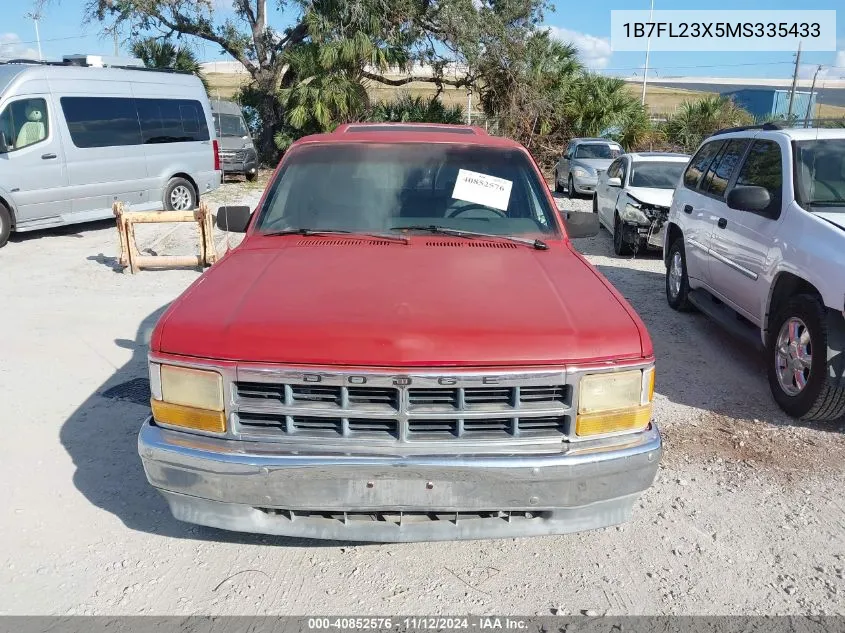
<point x="355" y="40"/>
<point x="157" y="53"/>
<point x="415" y="109"/>
<point x="695" y="120"/>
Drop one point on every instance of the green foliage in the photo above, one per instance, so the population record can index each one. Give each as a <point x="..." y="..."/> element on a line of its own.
<point x="415" y="109"/>
<point x="695" y="120"/>
<point x="161" y="53"/>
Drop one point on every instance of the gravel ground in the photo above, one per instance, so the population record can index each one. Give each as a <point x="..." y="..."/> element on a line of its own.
<point x="747" y="514"/>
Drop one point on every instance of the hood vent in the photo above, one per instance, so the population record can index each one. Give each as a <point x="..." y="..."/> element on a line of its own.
<point x="343" y="241"/>
<point x="466" y="243"/>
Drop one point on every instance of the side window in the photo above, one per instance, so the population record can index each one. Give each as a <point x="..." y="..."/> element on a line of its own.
<point x="763" y="168"/>
<point x="567" y="154"/>
<point x="720" y="172"/>
<point x="700" y="162"/>
<point x="102" y="121"/>
<point x="24" y="122"/>
<point x="615" y="169"/>
<point x="172" y="120"/>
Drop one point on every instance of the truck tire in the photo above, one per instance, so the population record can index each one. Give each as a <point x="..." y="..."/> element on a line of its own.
<point x="5" y="224"/>
<point x="797" y="353"/>
<point x="179" y="195"/>
<point x="251" y="175"/>
<point x="677" y="281"/>
<point x="620" y="245"/>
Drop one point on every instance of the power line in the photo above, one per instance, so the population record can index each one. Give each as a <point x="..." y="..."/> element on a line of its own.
<point x="51" y="39"/>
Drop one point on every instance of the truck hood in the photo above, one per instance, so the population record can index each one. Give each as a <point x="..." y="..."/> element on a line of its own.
<point x="433" y="302"/>
<point x="834" y="217"/>
<point x="655" y="197"/>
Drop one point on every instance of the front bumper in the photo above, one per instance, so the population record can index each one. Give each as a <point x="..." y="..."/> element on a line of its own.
<point x="258" y="487"/>
<point x="585" y="184"/>
<point x="239" y="167"/>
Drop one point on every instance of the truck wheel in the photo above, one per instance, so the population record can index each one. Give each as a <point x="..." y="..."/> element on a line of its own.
<point x="677" y="281"/>
<point x="179" y="195"/>
<point x="5" y="225"/>
<point x="251" y="176"/>
<point x="621" y="246"/>
<point x="797" y="359"/>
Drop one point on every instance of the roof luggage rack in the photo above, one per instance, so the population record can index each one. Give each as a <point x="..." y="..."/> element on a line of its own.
<point x="768" y="125"/>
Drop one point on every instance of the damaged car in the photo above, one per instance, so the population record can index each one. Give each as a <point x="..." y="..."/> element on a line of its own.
<point x="633" y="198"/>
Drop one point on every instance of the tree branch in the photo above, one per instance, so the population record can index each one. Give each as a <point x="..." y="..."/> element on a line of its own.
<point x="457" y="83"/>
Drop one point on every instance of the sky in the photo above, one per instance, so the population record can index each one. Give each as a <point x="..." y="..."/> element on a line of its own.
<point x="586" y="24"/>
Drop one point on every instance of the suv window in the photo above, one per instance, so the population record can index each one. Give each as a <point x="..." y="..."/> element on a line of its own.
<point x="24" y="123"/>
<point x="763" y="168"/>
<point x="720" y="172"/>
<point x="699" y="163"/>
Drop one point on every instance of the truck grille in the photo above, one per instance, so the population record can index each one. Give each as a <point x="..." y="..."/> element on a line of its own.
<point x="233" y="155"/>
<point x="285" y="405"/>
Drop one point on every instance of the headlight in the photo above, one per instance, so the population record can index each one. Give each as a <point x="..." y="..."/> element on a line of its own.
<point x="634" y="215"/>
<point x="578" y="171"/>
<point x="190" y="398"/>
<point x="612" y="402"/>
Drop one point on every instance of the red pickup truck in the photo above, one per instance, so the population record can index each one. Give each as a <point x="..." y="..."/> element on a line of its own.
<point x="405" y="346"/>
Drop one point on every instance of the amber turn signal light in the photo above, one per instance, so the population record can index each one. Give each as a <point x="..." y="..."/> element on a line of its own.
<point x="189" y="417"/>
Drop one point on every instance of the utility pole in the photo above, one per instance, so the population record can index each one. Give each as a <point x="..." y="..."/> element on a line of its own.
<point x="35" y="16"/>
<point x="469" y="106"/>
<point x="647" y="51"/>
<point x="794" y="82"/>
<point x="810" y="100"/>
<point x="116" y="53"/>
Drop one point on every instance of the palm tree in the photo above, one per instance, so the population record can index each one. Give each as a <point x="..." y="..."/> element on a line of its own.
<point x="415" y="109"/>
<point x="158" y="53"/>
<point x="695" y="120"/>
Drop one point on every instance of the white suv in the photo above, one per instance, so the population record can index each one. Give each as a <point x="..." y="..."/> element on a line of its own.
<point x="756" y="240"/>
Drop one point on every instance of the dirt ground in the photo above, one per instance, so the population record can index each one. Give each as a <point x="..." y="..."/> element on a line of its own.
<point x="747" y="515"/>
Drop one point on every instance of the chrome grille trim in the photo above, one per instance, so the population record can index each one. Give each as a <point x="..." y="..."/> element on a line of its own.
<point x="276" y="404"/>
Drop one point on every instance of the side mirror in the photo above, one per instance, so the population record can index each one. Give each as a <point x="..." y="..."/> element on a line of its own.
<point x="753" y="199"/>
<point x="233" y="219"/>
<point x="581" y="224"/>
<point x="4" y="145"/>
<point x="614" y="182"/>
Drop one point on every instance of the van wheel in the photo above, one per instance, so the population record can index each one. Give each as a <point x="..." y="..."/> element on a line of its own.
<point x="677" y="282"/>
<point x="5" y="224"/>
<point x="797" y="359"/>
<point x="179" y="195"/>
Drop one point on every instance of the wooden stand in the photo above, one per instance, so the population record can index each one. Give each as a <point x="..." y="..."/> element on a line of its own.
<point x="132" y="258"/>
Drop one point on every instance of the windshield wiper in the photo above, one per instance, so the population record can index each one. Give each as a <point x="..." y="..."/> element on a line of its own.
<point x="381" y="236"/>
<point x="540" y="245"/>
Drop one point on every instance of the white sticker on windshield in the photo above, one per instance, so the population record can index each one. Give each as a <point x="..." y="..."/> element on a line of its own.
<point x="490" y="191"/>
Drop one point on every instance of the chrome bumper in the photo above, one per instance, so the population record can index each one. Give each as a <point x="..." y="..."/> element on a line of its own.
<point x="255" y="487"/>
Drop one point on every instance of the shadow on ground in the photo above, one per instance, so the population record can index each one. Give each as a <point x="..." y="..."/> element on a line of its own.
<point x="101" y="438"/>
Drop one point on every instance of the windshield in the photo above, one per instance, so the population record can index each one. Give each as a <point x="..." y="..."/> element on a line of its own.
<point x="597" y="150"/>
<point x="656" y="175"/>
<point x="820" y="173"/>
<point x="380" y="188"/>
<point x="229" y="125"/>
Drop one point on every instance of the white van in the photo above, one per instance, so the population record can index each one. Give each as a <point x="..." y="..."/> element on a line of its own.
<point x="76" y="138"/>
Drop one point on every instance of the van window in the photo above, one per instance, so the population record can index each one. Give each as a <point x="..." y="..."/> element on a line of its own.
<point x="700" y="162"/>
<point x="116" y="121"/>
<point x="720" y="172"/>
<point x="24" y="122"/>
<point x="172" y="120"/>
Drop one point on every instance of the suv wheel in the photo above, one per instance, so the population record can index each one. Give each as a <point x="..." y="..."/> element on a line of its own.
<point x="797" y="355"/>
<point x="5" y="224"/>
<point x="621" y="246"/>
<point x="677" y="282"/>
<point x="179" y="195"/>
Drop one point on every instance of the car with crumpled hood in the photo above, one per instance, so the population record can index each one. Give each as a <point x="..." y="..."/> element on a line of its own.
<point x="416" y="352"/>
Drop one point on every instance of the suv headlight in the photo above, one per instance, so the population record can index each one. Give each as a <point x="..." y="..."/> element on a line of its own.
<point x="634" y="214"/>
<point x="186" y="397"/>
<point x="612" y="402"/>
